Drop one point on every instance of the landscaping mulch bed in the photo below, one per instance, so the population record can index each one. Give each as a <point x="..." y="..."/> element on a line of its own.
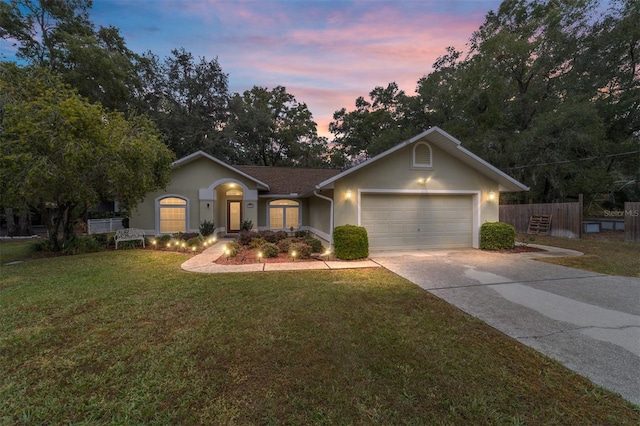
<point x="521" y="249"/>
<point x="248" y="256"/>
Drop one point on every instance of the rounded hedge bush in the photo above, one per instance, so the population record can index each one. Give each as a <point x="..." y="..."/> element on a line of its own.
<point x="350" y="242"/>
<point x="301" y="250"/>
<point x="497" y="236"/>
<point x="269" y="250"/>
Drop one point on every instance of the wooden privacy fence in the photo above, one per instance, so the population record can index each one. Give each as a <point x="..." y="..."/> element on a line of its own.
<point x="632" y="222"/>
<point x="566" y="218"/>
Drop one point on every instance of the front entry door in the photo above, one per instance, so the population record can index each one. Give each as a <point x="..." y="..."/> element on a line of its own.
<point x="234" y="216"/>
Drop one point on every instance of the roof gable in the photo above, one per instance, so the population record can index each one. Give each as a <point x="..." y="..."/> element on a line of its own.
<point x="201" y="154"/>
<point x="450" y="145"/>
<point x="278" y="181"/>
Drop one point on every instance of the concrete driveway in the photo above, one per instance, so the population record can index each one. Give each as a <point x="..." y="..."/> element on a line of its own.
<point x="587" y="321"/>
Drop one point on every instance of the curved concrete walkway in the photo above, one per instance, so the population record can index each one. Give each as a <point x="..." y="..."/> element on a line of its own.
<point x="205" y="262"/>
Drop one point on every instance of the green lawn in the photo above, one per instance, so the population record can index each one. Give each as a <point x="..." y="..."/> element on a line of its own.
<point x="607" y="256"/>
<point x="127" y="337"/>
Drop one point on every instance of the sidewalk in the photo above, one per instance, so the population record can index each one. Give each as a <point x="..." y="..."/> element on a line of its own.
<point x="205" y="263"/>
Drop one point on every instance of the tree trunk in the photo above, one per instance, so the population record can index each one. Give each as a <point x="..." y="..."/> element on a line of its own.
<point x="24" y="223"/>
<point x="11" y="222"/>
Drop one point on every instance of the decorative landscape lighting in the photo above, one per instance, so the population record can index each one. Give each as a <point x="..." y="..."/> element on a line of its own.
<point x="327" y="252"/>
<point x="168" y="245"/>
<point x="294" y="254"/>
<point x="193" y="249"/>
<point x="259" y="256"/>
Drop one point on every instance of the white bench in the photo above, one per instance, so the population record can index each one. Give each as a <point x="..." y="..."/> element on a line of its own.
<point x="129" y="234"/>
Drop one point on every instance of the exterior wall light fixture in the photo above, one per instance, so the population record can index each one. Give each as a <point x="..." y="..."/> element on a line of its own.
<point x="348" y="194"/>
<point x="492" y="196"/>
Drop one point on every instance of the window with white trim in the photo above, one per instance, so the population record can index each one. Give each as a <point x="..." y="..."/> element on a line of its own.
<point x="173" y="215"/>
<point x="422" y="155"/>
<point x="284" y="214"/>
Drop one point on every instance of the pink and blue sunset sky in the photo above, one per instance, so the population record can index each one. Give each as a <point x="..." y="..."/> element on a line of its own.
<point x="326" y="53"/>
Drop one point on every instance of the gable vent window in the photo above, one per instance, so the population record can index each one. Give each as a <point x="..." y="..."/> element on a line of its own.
<point x="422" y="155"/>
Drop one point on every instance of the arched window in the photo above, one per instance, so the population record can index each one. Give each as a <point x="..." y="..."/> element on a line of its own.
<point x="422" y="155"/>
<point x="284" y="214"/>
<point x="173" y="215"/>
<point x="234" y="192"/>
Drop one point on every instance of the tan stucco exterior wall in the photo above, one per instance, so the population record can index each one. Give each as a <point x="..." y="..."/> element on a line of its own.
<point x="193" y="182"/>
<point x="395" y="174"/>
<point x="319" y="218"/>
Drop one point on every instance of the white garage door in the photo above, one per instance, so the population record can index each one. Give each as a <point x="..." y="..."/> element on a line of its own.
<point x="401" y="222"/>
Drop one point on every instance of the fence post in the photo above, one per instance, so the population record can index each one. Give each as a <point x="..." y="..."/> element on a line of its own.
<point x="580" y="214"/>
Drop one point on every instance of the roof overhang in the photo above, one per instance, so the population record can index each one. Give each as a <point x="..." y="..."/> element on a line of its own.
<point x="201" y="154"/>
<point x="451" y="145"/>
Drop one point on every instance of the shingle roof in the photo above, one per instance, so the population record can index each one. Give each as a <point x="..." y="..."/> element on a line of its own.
<point x="288" y="180"/>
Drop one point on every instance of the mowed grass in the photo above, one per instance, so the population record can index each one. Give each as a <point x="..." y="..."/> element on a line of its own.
<point x="127" y="337"/>
<point x="613" y="257"/>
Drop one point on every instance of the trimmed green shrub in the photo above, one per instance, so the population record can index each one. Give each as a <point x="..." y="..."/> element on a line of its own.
<point x="102" y="239"/>
<point x="497" y="236"/>
<point x="302" y="250"/>
<point x="316" y="244"/>
<point x="273" y="237"/>
<point x="233" y="248"/>
<point x="350" y="242"/>
<point x="162" y="240"/>
<point x="281" y="235"/>
<point x="283" y="245"/>
<point x="245" y="237"/>
<point x="84" y="244"/>
<point x="195" y="241"/>
<point x="257" y="242"/>
<point x="269" y="250"/>
<point x="78" y="245"/>
<point x="185" y="236"/>
<point x="207" y="227"/>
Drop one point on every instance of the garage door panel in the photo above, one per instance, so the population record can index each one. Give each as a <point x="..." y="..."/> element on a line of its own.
<point x="396" y="222"/>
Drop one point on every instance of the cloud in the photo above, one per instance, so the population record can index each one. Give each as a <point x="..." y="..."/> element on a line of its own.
<point x="327" y="53"/>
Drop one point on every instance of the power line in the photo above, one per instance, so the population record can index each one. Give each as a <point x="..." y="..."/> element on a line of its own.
<point x="571" y="161"/>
